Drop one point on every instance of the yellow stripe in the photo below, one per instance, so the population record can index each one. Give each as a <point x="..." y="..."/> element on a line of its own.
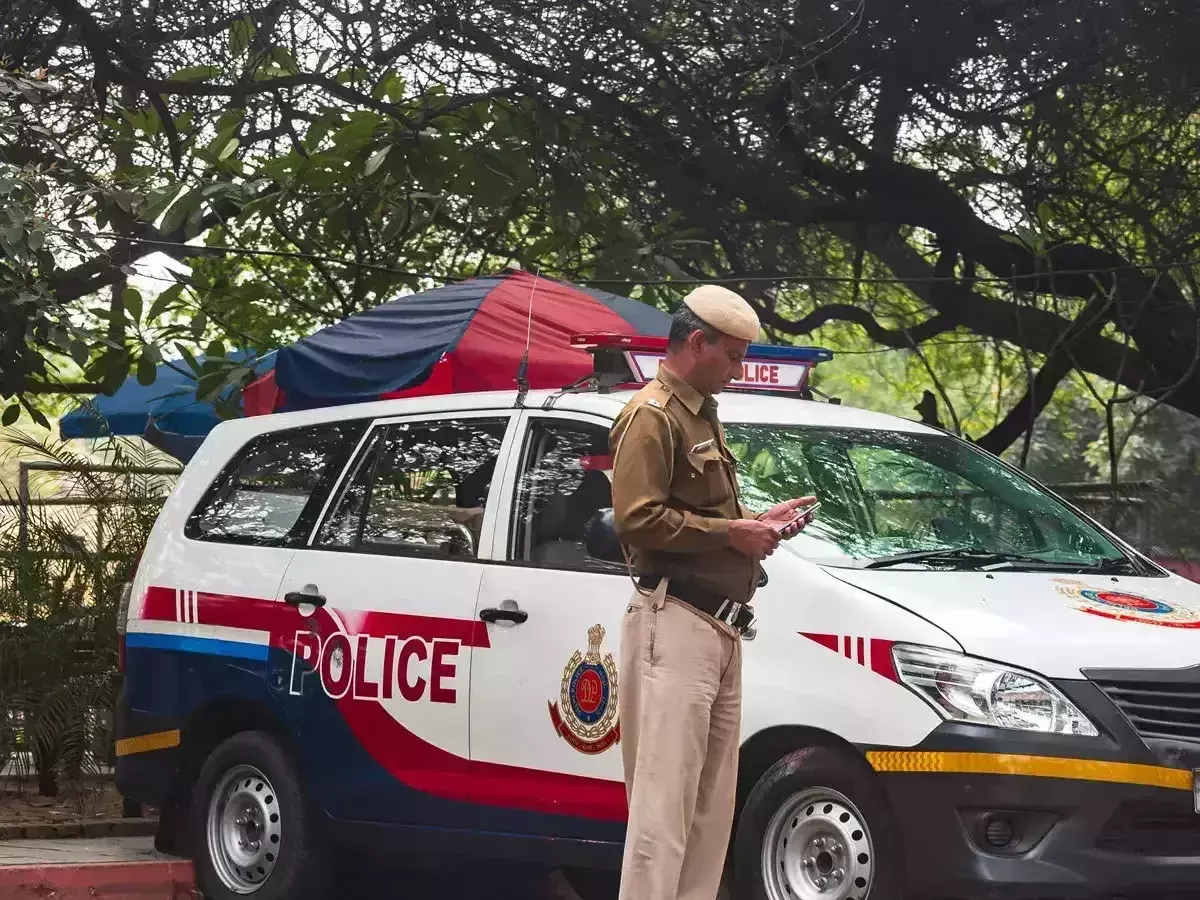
<point x="143" y="743"/>
<point x="1037" y="766"/>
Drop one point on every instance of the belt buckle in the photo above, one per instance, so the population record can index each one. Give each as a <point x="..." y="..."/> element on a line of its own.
<point x="730" y="612"/>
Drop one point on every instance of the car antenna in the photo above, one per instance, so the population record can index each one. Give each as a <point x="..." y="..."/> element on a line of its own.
<point x="523" y="368"/>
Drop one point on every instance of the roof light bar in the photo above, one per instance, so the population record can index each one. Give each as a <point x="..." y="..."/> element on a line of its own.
<point x="634" y="359"/>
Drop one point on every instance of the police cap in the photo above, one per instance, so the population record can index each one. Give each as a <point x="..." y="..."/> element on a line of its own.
<point x="722" y="309"/>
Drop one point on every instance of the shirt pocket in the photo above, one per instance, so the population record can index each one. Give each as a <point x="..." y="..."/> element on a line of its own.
<point x="706" y="483"/>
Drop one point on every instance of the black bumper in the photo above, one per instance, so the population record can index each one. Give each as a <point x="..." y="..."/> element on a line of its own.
<point x="1052" y="837"/>
<point x="144" y="775"/>
<point x="1006" y="837"/>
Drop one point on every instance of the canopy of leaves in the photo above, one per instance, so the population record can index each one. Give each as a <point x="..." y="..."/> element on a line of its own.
<point x="1017" y="175"/>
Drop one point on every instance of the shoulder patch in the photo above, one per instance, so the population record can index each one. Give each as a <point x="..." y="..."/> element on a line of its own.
<point x="652" y="402"/>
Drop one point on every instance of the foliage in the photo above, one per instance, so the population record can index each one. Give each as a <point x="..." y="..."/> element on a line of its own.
<point x="62" y="566"/>
<point x="1004" y="196"/>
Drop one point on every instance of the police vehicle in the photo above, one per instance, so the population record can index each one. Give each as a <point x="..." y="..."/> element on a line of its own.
<point x="392" y="626"/>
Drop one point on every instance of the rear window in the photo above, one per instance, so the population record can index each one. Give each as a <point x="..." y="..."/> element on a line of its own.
<point x="271" y="492"/>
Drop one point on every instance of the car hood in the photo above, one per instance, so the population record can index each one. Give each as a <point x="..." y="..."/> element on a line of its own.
<point x="1054" y="624"/>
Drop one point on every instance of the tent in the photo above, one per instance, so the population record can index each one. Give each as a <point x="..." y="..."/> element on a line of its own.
<point x="166" y="413"/>
<point x="468" y="336"/>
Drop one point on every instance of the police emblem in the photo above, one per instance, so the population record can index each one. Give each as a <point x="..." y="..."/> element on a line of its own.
<point x="1125" y="607"/>
<point x="587" y="716"/>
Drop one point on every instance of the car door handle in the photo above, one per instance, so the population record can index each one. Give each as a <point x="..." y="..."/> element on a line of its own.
<point x="492" y="614"/>
<point x="309" y="595"/>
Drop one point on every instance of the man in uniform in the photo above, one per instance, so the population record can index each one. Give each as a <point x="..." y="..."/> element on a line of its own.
<point x="695" y="550"/>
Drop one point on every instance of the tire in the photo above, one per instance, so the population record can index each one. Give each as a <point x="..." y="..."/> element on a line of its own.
<point x="817" y="824"/>
<point x="254" y="834"/>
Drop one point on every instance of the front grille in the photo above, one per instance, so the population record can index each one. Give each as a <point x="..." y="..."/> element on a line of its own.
<point x="1153" y="829"/>
<point x="1161" y="710"/>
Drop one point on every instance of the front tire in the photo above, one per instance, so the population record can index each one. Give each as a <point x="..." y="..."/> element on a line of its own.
<point x="817" y="825"/>
<point x="253" y="832"/>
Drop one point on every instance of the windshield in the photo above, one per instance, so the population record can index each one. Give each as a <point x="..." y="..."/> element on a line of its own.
<point x="886" y="493"/>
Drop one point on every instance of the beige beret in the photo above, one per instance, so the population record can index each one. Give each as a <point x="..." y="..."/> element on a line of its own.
<point x="723" y="310"/>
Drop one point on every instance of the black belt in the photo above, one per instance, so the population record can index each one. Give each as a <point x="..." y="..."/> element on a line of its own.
<point x="737" y="615"/>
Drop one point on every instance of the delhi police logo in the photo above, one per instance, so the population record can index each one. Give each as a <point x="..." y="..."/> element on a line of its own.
<point x="1125" y="607"/>
<point x="586" y="714"/>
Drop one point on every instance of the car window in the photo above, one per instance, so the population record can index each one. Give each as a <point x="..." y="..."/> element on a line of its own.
<point x="884" y="493"/>
<point x="565" y="481"/>
<point x="270" y="492"/>
<point x="418" y="487"/>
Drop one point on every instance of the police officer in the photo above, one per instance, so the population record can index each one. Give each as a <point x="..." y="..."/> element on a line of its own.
<point x="695" y="551"/>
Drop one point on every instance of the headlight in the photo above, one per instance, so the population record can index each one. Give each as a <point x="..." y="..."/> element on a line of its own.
<point x="963" y="689"/>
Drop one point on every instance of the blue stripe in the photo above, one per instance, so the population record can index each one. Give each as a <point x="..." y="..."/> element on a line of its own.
<point x="187" y="644"/>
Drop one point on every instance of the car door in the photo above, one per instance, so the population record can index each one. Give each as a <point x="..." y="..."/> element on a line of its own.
<point x="544" y="728"/>
<point x="379" y="674"/>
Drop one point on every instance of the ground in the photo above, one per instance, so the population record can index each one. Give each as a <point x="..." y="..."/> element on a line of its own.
<point x="20" y="804"/>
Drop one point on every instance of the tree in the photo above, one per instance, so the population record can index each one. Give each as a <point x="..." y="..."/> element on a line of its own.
<point x="923" y="171"/>
<point x="1023" y="168"/>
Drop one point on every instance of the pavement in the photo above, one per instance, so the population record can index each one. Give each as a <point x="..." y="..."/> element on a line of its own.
<point x="129" y="868"/>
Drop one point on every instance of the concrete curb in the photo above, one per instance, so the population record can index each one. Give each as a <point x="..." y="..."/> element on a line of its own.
<point x="96" y="828"/>
<point x="167" y="880"/>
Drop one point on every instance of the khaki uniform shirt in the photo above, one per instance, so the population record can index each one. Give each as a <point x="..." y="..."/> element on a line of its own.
<point x="675" y="489"/>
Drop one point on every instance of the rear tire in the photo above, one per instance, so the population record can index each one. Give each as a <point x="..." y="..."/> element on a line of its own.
<point x="817" y="824"/>
<point x="254" y="834"/>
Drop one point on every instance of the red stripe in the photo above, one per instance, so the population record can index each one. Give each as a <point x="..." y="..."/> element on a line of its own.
<point x="881" y="659"/>
<point x="846" y="647"/>
<point x="828" y="641"/>
<point x="282" y="620"/>
<point x="862" y="652"/>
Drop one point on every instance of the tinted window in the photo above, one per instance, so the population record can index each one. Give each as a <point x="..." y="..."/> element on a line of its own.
<point x="272" y="490"/>
<point x="565" y="480"/>
<point x="419" y="487"/>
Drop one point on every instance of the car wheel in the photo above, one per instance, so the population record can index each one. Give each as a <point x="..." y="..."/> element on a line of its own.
<point x="817" y="825"/>
<point x="254" y="834"/>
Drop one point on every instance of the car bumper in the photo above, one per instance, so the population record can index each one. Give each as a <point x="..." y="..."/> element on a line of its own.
<point x="1018" y="837"/>
<point x="147" y="754"/>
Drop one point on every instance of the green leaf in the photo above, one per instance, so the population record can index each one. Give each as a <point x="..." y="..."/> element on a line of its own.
<point x="240" y="34"/>
<point x="131" y="299"/>
<point x="215" y="350"/>
<point x="209" y="385"/>
<point x="147" y="370"/>
<point x="80" y="353"/>
<point x="188" y="357"/>
<point x="36" y="240"/>
<point x="227" y="150"/>
<point x="164" y="300"/>
<point x="228" y="408"/>
<point x="199" y="323"/>
<point x="376" y="160"/>
<point x="11" y="413"/>
<point x="196" y="73"/>
<point x="283" y="56"/>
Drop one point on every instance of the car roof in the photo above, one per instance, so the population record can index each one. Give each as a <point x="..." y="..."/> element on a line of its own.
<point x="734" y="407"/>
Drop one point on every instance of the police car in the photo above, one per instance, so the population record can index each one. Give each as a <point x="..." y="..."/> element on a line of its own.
<point x="392" y="626"/>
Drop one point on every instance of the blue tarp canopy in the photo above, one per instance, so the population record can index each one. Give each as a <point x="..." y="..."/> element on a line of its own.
<point x="167" y="407"/>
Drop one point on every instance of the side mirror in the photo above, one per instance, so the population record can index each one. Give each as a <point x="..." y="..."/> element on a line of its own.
<point x="601" y="537"/>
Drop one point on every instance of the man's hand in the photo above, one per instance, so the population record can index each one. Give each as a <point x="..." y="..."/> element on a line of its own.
<point x="753" y="538"/>
<point x="784" y="512"/>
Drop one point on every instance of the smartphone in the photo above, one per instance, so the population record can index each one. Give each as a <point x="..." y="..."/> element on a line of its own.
<point x="800" y="514"/>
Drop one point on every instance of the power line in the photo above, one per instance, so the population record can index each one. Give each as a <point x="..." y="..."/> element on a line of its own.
<point x="658" y="282"/>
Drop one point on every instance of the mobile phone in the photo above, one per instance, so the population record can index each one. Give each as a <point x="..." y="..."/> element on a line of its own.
<point x="811" y="508"/>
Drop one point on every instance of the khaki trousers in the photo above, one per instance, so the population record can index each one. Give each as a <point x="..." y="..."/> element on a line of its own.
<point x="680" y="703"/>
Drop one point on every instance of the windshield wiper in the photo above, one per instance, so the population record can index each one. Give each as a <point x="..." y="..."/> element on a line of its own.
<point x="962" y="558"/>
<point x="1114" y="566"/>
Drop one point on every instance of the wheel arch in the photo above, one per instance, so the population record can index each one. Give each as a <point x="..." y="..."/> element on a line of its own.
<point x="767" y="747"/>
<point x="211" y="723"/>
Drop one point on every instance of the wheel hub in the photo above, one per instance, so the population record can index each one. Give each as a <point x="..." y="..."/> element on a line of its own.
<point x="244" y="830"/>
<point x="817" y="847"/>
